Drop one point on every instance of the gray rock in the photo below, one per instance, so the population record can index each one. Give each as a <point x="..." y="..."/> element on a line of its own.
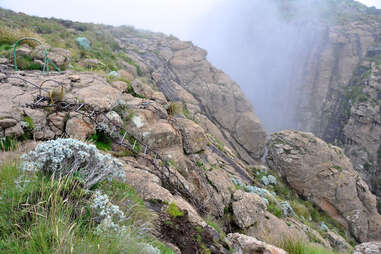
<point x="368" y="248"/>
<point x="323" y="174"/>
<point x="8" y="122"/>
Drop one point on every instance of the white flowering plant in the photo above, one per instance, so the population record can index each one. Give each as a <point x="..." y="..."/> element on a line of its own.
<point x="70" y="157"/>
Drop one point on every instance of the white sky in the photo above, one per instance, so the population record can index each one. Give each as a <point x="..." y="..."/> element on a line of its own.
<point x="175" y="17"/>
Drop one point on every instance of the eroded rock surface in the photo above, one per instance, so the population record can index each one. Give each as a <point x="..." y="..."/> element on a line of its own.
<point x="368" y="248"/>
<point x="243" y="244"/>
<point x="324" y="175"/>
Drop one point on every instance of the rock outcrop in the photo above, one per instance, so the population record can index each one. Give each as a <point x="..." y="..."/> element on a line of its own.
<point x="190" y="155"/>
<point x="182" y="73"/>
<point x="243" y="244"/>
<point x="368" y="248"/>
<point x="338" y="87"/>
<point x="324" y="175"/>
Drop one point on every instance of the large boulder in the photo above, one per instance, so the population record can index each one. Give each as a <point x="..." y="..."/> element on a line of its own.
<point x="79" y="127"/>
<point x="242" y="244"/>
<point x="248" y="209"/>
<point x="323" y="174"/>
<point x="193" y="135"/>
<point x="59" y="56"/>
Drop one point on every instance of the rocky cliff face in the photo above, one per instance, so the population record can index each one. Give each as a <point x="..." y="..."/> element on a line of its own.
<point x="323" y="174"/>
<point x="182" y="73"/>
<point x="339" y="90"/>
<point x="197" y="120"/>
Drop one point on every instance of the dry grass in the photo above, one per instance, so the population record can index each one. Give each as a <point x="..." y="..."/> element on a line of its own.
<point x="14" y="155"/>
<point x="11" y="35"/>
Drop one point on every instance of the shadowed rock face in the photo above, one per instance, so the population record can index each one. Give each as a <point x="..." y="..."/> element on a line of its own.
<point x="323" y="174"/>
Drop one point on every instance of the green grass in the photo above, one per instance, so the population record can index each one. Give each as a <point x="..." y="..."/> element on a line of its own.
<point x="27" y="63"/>
<point x="43" y="214"/>
<point x="102" y="141"/>
<point x="8" y="144"/>
<point x="300" y="247"/>
<point x="29" y="121"/>
<point x="273" y="208"/>
<point x="174" y="211"/>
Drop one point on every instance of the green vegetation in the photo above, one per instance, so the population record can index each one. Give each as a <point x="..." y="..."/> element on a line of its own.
<point x="201" y="165"/>
<point x="136" y="145"/>
<point x="43" y="214"/>
<point x="214" y="224"/>
<point x="27" y="63"/>
<point x="300" y="247"/>
<point x="300" y="209"/>
<point x="9" y="36"/>
<point x="306" y="211"/>
<point x="130" y="61"/>
<point x="29" y="122"/>
<point x="63" y="34"/>
<point x="174" y="211"/>
<point x="338" y="168"/>
<point x="102" y="141"/>
<point x="356" y="94"/>
<point x="8" y="144"/>
<point x="273" y="208"/>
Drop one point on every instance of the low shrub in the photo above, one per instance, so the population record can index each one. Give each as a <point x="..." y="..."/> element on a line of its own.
<point x="69" y="157"/>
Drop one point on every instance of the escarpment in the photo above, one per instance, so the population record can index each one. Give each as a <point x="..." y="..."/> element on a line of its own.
<point x="323" y="174"/>
<point x="338" y="89"/>
<point x="188" y="141"/>
<point x="182" y="73"/>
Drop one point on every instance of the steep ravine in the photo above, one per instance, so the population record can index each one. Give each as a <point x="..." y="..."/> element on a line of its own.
<point x="202" y="177"/>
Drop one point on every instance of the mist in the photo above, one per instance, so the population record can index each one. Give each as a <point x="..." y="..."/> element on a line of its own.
<point x="263" y="45"/>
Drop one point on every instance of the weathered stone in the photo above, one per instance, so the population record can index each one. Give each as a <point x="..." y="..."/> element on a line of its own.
<point x="131" y="69"/>
<point x="2" y="76"/>
<point x="223" y="185"/>
<point x="90" y="63"/>
<point x="59" y="56"/>
<point x="6" y="123"/>
<point x="99" y="94"/>
<point x="368" y="248"/>
<point x="120" y="85"/>
<point x="3" y="60"/>
<point x="248" y="209"/>
<point x="338" y="242"/>
<point x="57" y="122"/>
<point x="323" y="174"/>
<point x="79" y="127"/>
<point x="125" y="74"/>
<point x="145" y="90"/>
<point x="193" y="135"/>
<point x="15" y="131"/>
<point x="277" y="229"/>
<point x="242" y="244"/>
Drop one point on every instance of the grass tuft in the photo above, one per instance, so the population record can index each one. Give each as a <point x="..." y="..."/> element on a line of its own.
<point x="174" y="211"/>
